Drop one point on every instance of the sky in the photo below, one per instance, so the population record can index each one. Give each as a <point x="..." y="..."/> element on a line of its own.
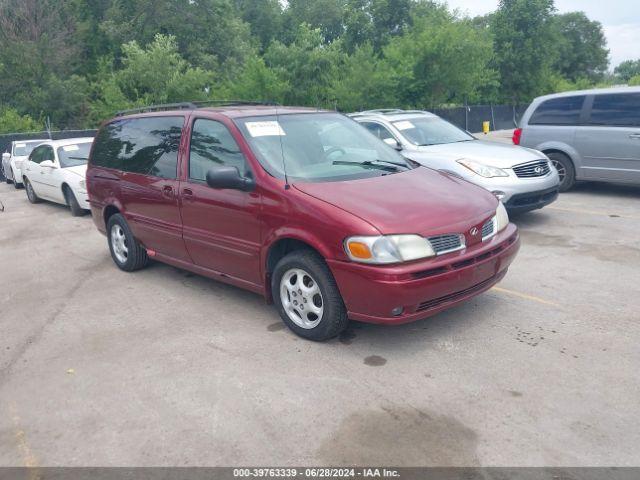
<point x="620" y="20"/>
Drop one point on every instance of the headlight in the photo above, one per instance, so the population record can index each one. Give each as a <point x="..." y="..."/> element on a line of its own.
<point x="83" y="184"/>
<point x="502" y="217"/>
<point x="388" y="249"/>
<point x="481" y="169"/>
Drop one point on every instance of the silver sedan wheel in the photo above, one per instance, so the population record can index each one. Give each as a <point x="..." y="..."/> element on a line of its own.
<point x="301" y="298"/>
<point x="119" y="243"/>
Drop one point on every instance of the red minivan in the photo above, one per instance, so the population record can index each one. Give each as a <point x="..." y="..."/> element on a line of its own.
<point x="305" y="207"/>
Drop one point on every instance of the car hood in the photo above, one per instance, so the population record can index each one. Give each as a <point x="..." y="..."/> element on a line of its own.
<point x="496" y="154"/>
<point x="420" y="201"/>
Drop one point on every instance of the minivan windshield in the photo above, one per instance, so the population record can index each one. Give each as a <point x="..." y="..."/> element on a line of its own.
<point x="74" y="155"/>
<point x="423" y="131"/>
<point x="318" y="147"/>
<point x="24" y="149"/>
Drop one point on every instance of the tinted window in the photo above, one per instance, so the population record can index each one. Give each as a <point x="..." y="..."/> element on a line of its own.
<point x="616" y="109"/>
<point x="47" y="154"/>
<point x="36" y="155"/>
<point x="212" y="145"/>
<point x="558" y="111"/>
<point x="140" y="145"/>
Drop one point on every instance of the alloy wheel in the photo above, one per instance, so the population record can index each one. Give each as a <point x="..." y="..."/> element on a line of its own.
<point x="301" y="298"/>
<point x="562" y="171"/>
<point x="119" y="244"/>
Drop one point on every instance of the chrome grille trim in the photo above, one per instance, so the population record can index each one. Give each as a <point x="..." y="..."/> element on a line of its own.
<point x="447" y="243"/>
<point x="489" y="228"/>
<point x="537" y="168"/>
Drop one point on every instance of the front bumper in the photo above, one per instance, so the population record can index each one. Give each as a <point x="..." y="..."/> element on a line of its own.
<point x="424" y="288"/>
<point x="513" y="186"/>
<point x="83" y="200"/>
<point x="525" y="202"/>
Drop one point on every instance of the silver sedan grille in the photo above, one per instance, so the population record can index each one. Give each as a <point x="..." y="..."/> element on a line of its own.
<point x="538" y="168"/>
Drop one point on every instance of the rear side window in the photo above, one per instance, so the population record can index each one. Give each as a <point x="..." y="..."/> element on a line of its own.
<point x="620" y="109"/>
<point x="140" y="145"/>
<point x="558" y="111"/>
<point x="212" y="145"/>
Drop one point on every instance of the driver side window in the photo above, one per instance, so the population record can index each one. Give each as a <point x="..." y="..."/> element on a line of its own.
<point x="212" y="145"/>
<point x="37" y="155"/>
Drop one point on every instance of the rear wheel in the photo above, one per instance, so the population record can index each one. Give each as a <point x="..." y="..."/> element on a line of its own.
<point x="31" y="194"/>
<point x="15" y="182"/>
<point x="126" y="251"/>
<point x="76" y="210"/>
<point x="565" y="168"/>
<point x="307" y="296"/>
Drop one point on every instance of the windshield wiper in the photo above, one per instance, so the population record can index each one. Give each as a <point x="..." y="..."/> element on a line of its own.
<point x="372" y="163"/>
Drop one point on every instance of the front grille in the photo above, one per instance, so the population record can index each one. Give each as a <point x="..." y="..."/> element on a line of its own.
<point x="457" y="295"/>
<point x="446" y="243"/>
<point x="539" y="168"/>
<point x="488" y="229"/>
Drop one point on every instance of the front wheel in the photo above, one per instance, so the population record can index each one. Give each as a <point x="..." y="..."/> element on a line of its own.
<point x="307" y="296"/>
<point x="565" y="168"/>
<point x="126" y="251"/>
<point x="76" y="210"/>
<point x="31" y="193"/>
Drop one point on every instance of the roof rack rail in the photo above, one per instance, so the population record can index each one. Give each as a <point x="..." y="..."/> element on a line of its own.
<point x="191" y="106"/>
<point x="158" y="108"/>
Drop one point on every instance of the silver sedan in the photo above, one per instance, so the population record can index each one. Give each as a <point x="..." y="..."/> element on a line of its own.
<point x="524" y="179"/>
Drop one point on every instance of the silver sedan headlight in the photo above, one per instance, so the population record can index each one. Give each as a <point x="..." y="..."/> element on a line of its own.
<point x="502" y="218"/>
<point x="481" y="169"/>
<point x="388" y="249"/>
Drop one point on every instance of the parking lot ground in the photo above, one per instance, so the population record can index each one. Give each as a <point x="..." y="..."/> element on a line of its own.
<point x="161" y="367"/>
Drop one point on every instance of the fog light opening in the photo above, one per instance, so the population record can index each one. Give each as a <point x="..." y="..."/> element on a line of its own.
<point x="499" y="195"/>
<point x="396" y="312"/>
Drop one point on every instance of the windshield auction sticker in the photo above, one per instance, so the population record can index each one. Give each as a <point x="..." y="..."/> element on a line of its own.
<point x="265" y="129"/>
<point x="404" y="125"/>
<point x="71" y="148"/>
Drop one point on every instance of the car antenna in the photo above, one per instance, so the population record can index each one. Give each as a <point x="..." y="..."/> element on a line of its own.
<point x="284" y="162"/>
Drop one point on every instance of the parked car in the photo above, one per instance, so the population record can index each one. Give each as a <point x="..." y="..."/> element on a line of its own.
<point x="588" y="135"/>
<point x="55" y="171"/>
<point x="523" y="179"/>
<point x="12" y="163"/>
<point x="302" y="206"/>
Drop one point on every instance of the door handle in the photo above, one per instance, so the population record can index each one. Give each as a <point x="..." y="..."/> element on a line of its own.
<point x="635" y="136"/>
<point x="167" y="191"/>
<point x="187" y="194"/>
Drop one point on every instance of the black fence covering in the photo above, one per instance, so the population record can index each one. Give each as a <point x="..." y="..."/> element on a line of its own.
<point x="6" y="139"/>
<point x="501" y="117"/>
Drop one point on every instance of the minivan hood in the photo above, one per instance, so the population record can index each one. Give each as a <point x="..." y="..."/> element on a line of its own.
<point x="496" y="154"/>
<point x="420" y="201"/>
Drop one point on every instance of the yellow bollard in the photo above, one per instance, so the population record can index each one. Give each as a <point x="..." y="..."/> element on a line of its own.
<point x="486" y="126"/>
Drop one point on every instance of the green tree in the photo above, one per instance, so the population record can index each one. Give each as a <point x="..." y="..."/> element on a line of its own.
<point x="264" y="18"/>
<point x="634" y="81"/>
<point x="307" y="65"/>
<point x="627" y="69"/>
<point x="324" y="15"/>
<point x="153" y="75"/>
<point x="12" y="122"/>
<point x="522" y="31"/>
<point x="581" y="46"/>
<point x="364" y="82"/>
<point x="257" y="82"/>
<point x="438" y="60"/>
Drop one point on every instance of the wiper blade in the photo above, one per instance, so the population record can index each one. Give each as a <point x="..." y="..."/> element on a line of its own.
<point x="373" y="163"/>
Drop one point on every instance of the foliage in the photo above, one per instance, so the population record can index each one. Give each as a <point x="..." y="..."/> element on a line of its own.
<point x="522" y="32"/>
<point x="79" y="61"/>
<point x="628" y="69"/>
<point x="634" y="81"/>
<point x="11" y="122"/>
<point x="581" y="45"/>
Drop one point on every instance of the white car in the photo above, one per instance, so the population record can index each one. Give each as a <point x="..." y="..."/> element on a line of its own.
<point x="12" y="161"/>
<point x="56" y="170"/>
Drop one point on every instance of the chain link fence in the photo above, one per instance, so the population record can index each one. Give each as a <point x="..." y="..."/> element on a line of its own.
<point x="471" y="117"/>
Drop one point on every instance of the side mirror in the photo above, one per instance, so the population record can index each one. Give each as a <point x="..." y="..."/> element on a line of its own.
<point x="393" y="143"/>
<point x="229" y="178"/>
<point x="48" y="164"/>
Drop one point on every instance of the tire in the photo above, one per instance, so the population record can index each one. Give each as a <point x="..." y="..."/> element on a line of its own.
<point x="15" y="184"/>
<point x="70" y="198"/>
<point x="305" y="268"/>
<point x="565" y="168"/>
<point x="31" y="194"/>
<point x="129" y="256"/>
